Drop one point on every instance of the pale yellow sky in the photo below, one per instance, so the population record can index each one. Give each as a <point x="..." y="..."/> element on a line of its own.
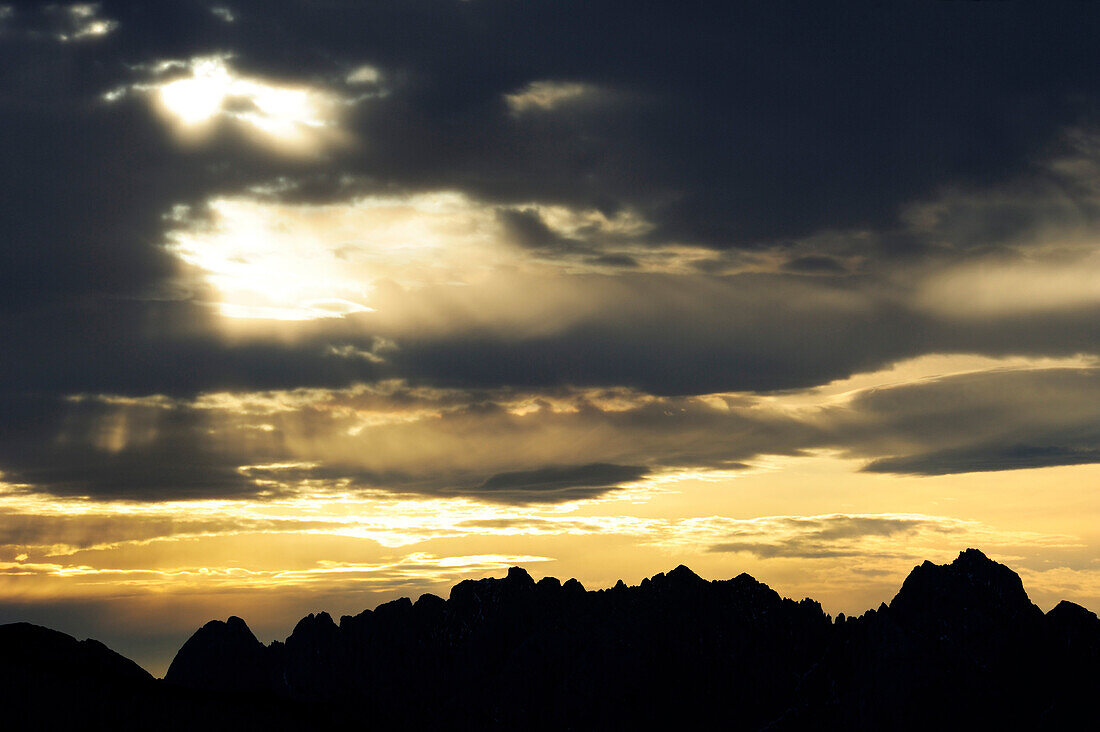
<point x="807" y="526"/>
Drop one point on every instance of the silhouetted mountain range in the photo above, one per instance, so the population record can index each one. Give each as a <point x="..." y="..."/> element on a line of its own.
<point x="959" y="645"/>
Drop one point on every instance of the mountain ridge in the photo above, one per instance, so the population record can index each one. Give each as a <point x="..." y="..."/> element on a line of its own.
<point x="959" y="644"/>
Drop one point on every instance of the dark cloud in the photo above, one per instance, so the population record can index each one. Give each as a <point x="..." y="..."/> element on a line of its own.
<point x="815" y="264"/>
<point x="526" y="228"/>
<point x="991" y="457"/>
<point x="798" y="548"/>
<point x="978" y="422"/>
<point x="48" y="536"/>
<point x="820" y="537"/>
<point x="615" y="260"/>
<point x="574" y="481"/>
<point x="136" y="452"/>
<point x="755" y="122"/>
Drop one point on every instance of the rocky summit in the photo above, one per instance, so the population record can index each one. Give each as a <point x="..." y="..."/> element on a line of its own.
<point x="959" y="645"/>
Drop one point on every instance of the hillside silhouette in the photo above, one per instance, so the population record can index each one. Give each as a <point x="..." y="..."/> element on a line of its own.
<point x="960" y="644"/>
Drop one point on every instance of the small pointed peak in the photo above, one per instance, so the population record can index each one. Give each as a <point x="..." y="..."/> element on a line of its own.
<point x="1071" y="611"/>
<point x="348" y="621"/>
<point x="463" y="591"/>
<point x="237" y="624"/>
<point x="971" y="557"/>
<point x="549" y="584"/>
<point x="428" y="600"/>
<point x="232" y="627"/>
<point x="683" y="576"/>
<point x="573" y="586"/>
<point x="311" y="621"/>
<point x="394" y="609"/>
<point x="519" y="576"/>
<point x="401" y="604"/>
<point x="620" y="585"/>
<point x="429" y="605"/>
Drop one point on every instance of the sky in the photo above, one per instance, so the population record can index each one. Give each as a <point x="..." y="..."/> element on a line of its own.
<point x="311" y="305"/>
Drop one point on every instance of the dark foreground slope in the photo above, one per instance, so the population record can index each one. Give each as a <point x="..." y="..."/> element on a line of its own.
<point x="959" y="645"/>
<point x="62" y="675"/>
<point x="51" y="681"/>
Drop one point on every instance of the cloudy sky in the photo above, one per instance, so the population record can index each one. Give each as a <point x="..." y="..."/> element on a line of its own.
<point x="309" y="305"/>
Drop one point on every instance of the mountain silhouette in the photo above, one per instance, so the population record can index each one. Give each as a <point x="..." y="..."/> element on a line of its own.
<point x="959" y="645"/>
<point x="92" y="679"/>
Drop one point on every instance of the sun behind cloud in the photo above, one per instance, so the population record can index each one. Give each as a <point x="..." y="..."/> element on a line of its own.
<point x="291" y="120"/>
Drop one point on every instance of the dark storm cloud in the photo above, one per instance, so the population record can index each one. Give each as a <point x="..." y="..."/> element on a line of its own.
<point x="733" y="126"/>
<point x="750" y="122"/>
<point x="691" y="335"/>
<point x="131" y="346"/>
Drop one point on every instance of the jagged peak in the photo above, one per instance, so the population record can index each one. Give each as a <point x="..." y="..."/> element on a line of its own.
<point x="573" y="585"/>
<point x="428" y="600"/>
<point x="237" y="625"/>
<point x="232" y="627"/>
<point x="549" y="584"/>
<point x="973" y="558"/>
<point x="398" y="606"/>
<point x="1072" y="611"/>
<point x="227" y="652"/>
<point x="519" y="576"/>
<point x="683" y="575"/>
<point x="312" y="622"/>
